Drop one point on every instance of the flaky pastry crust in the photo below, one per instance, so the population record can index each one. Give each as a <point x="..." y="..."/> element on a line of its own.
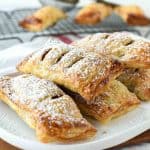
<point x="114" y="102"/>
<point x="42" y="19"/>
<point x="131" y="50"/>
<point x="45" y="108"/>
<point x="93" y="14"/>
<point x="86" y="73"/>
<point x="137" y="81"/>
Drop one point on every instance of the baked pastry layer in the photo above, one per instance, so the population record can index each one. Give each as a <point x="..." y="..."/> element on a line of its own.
<point x="132" y="15"/>
<point x="46" y="108"/>
<point x="93" y="14"/>
<point x="137" y="81"/>
<point x="86" y="73"/>
<point x="114" y="102"/>
<point x="129" y="49"/>
<point x="43" y="18"/>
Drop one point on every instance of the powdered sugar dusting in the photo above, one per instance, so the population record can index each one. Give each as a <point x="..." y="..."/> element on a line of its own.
<point x="115" y="98"/>
<point x="124" y="45"/>
<point x="92" y="65"/>
<point x="31" y="88"/>
<point x="73" y="61"/>
<point x="77" y="61"/>
<point x="74" y="68"/>
<point x="40" y="95"/>
<point x="59" y="107"/>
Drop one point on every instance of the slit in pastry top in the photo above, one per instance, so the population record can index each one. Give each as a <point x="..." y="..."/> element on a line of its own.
<point x="131" y="50"/>
<point x="80" y="71"/>
<point x="45" y="107"/>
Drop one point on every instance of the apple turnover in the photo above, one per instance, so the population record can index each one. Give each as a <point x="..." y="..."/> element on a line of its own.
<point x="45" y="108"/>
<point x="42" y="19"/>
<point x="114" y="102"/>
<point x="86" y="73"/>
<point x="132" y="15"/>
<point x="93" y="14"/>
<point x="131" y="50"/>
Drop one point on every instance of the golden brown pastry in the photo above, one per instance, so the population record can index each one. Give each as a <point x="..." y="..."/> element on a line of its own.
<point x="93" y="14"/>
<point x="138" y="81"/>
<point x="132" y="15"/>
<point x="114" y="102"/>
<point x="129" y="49"/>
<point x="83" y="72"/>
<point x="45" y="108"/>
<point x="43" y="18"/>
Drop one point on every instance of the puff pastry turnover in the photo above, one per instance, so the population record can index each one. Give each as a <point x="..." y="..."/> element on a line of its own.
<point x="138" y="81"/>
<point x="132" y="15"/>
<point x="43" y="18"/>
<point x="46" y="108"/>
<point x="83" y="72"/>
<point x="129" y="49"/>
<point x="114" y="102"/>
<point x="93" y="14"/>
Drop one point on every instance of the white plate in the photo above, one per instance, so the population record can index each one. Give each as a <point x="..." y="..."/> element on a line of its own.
<point x="15" y="131"/>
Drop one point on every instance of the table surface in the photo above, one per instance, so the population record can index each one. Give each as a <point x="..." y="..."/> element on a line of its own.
<point x="6" y="146"/>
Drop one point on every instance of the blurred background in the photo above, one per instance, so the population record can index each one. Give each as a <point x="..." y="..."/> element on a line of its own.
<point x="14" y="11"/>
